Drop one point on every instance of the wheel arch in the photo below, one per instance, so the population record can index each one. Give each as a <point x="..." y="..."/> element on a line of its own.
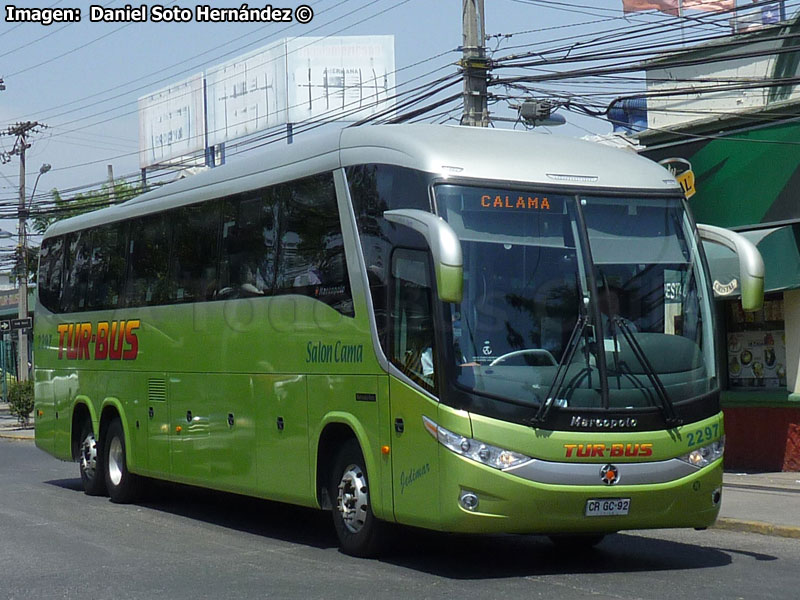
<point x="82" y="410"/>
<point x="337" y="428"/>
<point x="112" y="409"/>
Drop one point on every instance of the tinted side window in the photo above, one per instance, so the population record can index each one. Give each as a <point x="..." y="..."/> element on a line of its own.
<point x="51" y="263"/>
<point x="375" y="189"/>
<point x="78" y="263"/>
<point x="413" y="349"/>
<point x="249" y="230"/>
<point x="107" y="266"/>
<point x="148" y="256"/>
<point x="195" y="243"/>
<point x="311" y="258"/>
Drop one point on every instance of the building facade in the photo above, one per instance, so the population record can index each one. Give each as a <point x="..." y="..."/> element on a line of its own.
<point x="731" y="113"/>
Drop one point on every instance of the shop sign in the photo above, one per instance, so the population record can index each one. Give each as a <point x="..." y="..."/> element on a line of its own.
<point x="682" y="170"/>
<point x="725" y="289"/>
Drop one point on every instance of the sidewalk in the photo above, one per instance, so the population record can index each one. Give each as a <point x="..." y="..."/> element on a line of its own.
<point x="10" y="429"/>
<point x="765" y="503"/>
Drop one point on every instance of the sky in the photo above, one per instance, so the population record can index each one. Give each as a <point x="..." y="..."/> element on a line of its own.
<point x="82" y="80"/>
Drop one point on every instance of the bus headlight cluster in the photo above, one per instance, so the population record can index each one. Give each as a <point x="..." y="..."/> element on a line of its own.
<point x="700" y="457"/>
<point x="476" y="450"/>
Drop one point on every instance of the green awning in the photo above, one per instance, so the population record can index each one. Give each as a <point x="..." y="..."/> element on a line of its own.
<point x="780" y="249"/>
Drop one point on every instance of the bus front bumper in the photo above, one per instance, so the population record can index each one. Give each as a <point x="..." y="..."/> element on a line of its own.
<point x="478" y="499"/>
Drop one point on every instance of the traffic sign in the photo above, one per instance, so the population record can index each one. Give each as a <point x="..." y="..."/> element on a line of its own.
<point x="25" y="323"/>
<point x="5" y="326"/>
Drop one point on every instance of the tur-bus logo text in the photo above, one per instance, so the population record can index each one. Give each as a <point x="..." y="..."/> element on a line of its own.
<point x="107" y="340"/>
<point x="607" y="450"/>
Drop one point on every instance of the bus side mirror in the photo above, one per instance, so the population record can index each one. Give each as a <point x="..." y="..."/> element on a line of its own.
<point x="751" y="265"/>
<point x="445" y="247"/>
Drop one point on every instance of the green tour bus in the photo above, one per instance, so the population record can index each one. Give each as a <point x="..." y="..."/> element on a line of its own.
<point x="454" y="328"/>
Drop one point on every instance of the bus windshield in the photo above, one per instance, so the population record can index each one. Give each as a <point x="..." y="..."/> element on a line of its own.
<point x="535" y="263"/>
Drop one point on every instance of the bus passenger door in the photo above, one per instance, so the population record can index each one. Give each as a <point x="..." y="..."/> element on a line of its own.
<point x="415" y="467"/>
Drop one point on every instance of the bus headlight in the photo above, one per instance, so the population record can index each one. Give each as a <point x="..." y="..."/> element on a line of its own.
<point x="486" y="454"/>
<point x="701" y="457"/>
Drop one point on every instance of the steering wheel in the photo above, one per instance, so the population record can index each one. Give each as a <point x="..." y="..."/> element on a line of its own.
<point x="538" y="351"/>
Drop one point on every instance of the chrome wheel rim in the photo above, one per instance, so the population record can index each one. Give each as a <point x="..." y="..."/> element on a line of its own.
<point x="353" y="498"/>
<point x="115" y="460"/>
<point x="89" y="456"/>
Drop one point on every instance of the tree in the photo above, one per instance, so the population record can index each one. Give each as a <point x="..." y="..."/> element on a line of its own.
<point x="46" y="214"/>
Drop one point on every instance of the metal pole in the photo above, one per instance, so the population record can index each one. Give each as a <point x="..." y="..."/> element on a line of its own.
<point x="22" y="372"/>
<point x="3" y="366"/>
<point x="112" y="197"/>
<point x="474" y="65"/>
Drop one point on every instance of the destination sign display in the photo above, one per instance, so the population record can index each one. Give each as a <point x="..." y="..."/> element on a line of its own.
<point x="488" y="200"/>
<point x="515" y="202"/>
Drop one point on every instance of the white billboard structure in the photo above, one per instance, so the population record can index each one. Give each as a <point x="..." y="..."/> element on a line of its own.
<point x="172" y="122"/>
<point x="247" y="94"/>
<point x="294" y="80"/>
<point x="348" y="78"/>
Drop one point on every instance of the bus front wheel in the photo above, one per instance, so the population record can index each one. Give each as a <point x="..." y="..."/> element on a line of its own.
<point x="358" y="530"/>
<point x="123" y="486"/>
<point x="89" y="461"/>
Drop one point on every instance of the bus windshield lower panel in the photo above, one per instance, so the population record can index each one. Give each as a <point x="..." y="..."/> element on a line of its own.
<point x="640" y="287"/>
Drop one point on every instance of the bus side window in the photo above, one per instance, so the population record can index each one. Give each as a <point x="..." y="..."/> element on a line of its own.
<point x="148" y="261"/>
<point x="51" y="267"/>
<point x="412" y="317"/>
<point x="108" y="263"/>
<point x="311" y="257"/>
<point x="247" y="262"/>
<point x="375" y="188"/>
<point x="79" y="249"/>
<point x="194" y="252"/>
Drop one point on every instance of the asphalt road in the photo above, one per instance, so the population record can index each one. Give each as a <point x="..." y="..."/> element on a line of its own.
<point x="55" y="542"/>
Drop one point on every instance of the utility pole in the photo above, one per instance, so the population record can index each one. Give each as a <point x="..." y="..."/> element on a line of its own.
<point x="474" y="65"/>
<point x="21" y="131"/>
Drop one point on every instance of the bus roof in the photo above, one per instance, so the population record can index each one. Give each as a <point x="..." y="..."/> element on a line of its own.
<point x="451" y="151"/>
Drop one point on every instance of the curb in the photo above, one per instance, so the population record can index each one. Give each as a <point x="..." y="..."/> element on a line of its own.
<point x="17" y="434"/>
<point x="786" y="531"/>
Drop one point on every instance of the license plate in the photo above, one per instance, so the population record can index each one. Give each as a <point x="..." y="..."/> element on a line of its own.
<point x="607" y="507"/>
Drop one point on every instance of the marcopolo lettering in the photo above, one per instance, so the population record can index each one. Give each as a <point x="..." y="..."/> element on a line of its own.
<point x="107" y="340"/>
<point x="603" y="423"/>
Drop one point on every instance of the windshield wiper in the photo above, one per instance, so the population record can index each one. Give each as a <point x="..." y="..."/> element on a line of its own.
<point x="561" y="372"/>
<point x="667" y="407"/>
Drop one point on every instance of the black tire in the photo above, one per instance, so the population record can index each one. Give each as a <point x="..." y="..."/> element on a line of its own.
<point x="360" y="533"/>
<point x="577" y="542"/>
<point x="90" y="462"/>
<point x="122" y="485"/>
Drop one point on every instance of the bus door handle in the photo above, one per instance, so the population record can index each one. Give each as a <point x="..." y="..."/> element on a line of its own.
<point x="399" y="426"/>
<point x="150" y="412"/>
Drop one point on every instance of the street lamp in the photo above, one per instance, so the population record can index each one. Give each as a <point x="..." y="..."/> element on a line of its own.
<point x="42" y="170"/>
<point x="22" y="372"/>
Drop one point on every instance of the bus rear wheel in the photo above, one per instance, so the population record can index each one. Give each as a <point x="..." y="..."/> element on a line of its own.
<point x="360" y="533"/>
<point x="123" y="486"/>
<point x="90" y="463"/>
